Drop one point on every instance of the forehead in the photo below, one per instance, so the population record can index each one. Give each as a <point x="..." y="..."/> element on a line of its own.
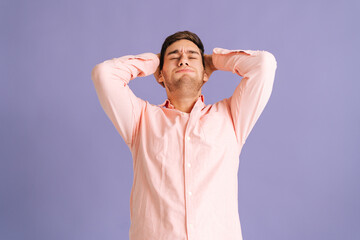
<point x="182" y="44"/>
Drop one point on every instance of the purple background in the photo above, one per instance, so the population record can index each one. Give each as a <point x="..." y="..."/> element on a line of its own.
<point x="66" y="173"/>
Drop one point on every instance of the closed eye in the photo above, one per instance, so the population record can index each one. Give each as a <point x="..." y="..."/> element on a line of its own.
<point x="179" y="58"/>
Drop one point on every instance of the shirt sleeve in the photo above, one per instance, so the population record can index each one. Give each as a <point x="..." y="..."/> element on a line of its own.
<point x="120" y="104"/>
<point x="253" y="92"/>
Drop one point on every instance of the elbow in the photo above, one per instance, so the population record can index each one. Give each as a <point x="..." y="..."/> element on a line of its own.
<point x="267" y="68"/>
<point x="98" y="71"/>
<point x="267" y="61"/>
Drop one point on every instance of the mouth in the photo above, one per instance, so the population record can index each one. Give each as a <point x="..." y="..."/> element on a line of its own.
<point x="185" y="70"/>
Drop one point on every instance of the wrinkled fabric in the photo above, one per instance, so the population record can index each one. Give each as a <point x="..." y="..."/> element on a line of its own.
<point x="185" y="165"/>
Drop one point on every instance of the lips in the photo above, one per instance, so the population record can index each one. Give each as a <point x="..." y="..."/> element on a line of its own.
<point x="185" y="70"/>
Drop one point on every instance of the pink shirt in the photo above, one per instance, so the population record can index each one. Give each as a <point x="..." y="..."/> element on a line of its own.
<point x="185" y="165"/>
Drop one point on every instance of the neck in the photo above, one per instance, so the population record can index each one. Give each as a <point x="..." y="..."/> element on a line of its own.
<point x="184" y="103"/>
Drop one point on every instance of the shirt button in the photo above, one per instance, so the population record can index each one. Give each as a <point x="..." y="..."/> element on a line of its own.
<point x="190" y="225"/>
<point x="190" y="193"/>
<point x="189" y="165"/>
<point x="188" y="138"/>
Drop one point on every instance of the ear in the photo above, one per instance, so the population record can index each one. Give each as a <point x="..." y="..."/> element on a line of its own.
<point x="160" y="80"/>
<point x="206" y="77"/>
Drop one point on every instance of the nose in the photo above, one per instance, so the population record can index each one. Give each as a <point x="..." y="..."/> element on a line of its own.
<point x="183" y="61"/>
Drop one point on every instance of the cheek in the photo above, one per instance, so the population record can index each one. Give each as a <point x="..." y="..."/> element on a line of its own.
<point x="164" y="70"/>
<point x="166" y="75"/>
<point x="200" y="70"/>
<point x="169" y="70"/>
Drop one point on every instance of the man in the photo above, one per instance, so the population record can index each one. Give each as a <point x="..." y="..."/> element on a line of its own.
<point x="185" y="153"/>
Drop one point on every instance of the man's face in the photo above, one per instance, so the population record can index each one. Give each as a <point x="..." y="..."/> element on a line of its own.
<point x="183" y="54"/>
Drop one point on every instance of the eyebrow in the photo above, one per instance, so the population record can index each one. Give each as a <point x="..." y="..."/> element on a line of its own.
<point x="177" y="51"/>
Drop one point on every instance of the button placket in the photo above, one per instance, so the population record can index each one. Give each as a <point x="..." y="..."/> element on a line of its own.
<point x="188" y="174"/>
<point x="188" y="184"/>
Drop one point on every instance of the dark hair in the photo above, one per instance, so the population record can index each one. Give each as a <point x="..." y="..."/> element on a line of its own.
<point x="179" y="36"/>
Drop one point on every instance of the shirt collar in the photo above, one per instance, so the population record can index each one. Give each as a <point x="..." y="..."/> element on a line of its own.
<point x="167" y="103"/>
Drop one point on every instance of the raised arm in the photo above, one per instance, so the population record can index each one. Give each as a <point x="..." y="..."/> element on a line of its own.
<point x="253" y="92"/>
<point x="111" y="79"/>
